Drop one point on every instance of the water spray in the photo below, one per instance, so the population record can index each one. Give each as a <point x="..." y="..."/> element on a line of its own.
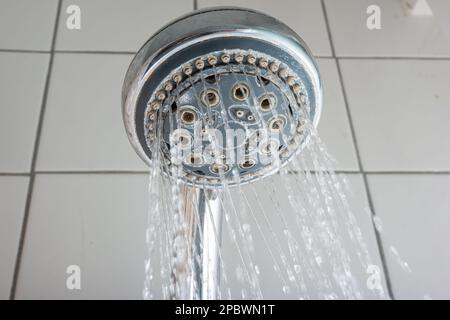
<point x="223" y="96"/>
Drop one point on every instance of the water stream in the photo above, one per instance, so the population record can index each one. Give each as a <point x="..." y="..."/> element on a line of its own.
<point x="299" y="233"/>
<point x="295" y="234"/>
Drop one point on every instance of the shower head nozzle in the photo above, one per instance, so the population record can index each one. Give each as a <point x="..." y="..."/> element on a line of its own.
<point x="222" y="93"/>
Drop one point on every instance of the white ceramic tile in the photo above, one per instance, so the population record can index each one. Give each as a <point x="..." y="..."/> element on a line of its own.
<point x="27" y="24"/>
<point x="334" y="128"/>
<point x="401" y="113"/>
<point x="399" y="35"/>
<point x="22" y="81"/>
<point x="96" y="222"/>
<point x="83" y="127"/>
<point x="122" y="25"/>
<point x="414" y="210"/>
<point x="304" y="16"/>
<point x="263" y="204"/>
<point x="441" y="10"/>
<point x="13" y="192"/>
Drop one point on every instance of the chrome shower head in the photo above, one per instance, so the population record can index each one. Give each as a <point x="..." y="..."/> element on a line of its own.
<point x="219" y="93"/>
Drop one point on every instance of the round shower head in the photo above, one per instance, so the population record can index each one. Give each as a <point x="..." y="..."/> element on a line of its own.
<point x="221" y="94"/>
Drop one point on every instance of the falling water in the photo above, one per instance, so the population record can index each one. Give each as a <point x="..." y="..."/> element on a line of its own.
<point x="297" y="230"/>
<point x="294" y="234"/>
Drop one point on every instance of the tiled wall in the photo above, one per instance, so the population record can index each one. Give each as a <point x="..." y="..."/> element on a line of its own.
<point x="72" y="191"/>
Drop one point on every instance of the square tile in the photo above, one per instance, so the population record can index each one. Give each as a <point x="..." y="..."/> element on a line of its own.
<point x="83" y="128"/>
<point x="122" y="25"/>
<point x="13" y="193"/>
<point x="96" y="222"/>
<point x="398" y="36"/>
<point x="414" y="213"/>
<point x="22" y="82"/>
<point x="27" y="24"/>
<point x="401" y="113"/>
<point x="441" y="10"/>
<point x="304" y="16"/>
<point x="334" y="128"/>
<point x="267" y="205"/>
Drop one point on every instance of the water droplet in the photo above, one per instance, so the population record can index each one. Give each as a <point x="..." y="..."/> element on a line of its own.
<point x="257" y="269"/>
<point x="319" y="260"/>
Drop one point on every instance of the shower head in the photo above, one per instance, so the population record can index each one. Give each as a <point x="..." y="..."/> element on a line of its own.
<point x="220" y="94"/>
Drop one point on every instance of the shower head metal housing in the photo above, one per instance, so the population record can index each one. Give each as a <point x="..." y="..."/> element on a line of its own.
<point x="221" y="70"/>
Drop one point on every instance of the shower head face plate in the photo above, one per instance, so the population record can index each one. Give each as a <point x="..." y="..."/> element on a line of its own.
<point x="224" y="95"/>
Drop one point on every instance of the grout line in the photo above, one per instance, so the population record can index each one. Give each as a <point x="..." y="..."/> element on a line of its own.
<point x="330" y="170"/>
<point x="45" y="172"/>
<point x="14" y="174"/>
<point x="327" y="24"/>
<point x="317" y="56"/>
<point x="33" y="161"/>
<point x="114" y="171"/>
<point x="378" y="237"/>
<point x="94" y="52"/>
<point x="324" y="57"/>
<point x="24" y="51"/>
<point x="408" y="172"/>
<point x="392" y="58"/>
<point x="92" y="172"/>
<point x="358" y="155"/>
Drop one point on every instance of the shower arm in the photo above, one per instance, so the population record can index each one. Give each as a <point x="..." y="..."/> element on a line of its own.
<point x="202" y="212"/>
